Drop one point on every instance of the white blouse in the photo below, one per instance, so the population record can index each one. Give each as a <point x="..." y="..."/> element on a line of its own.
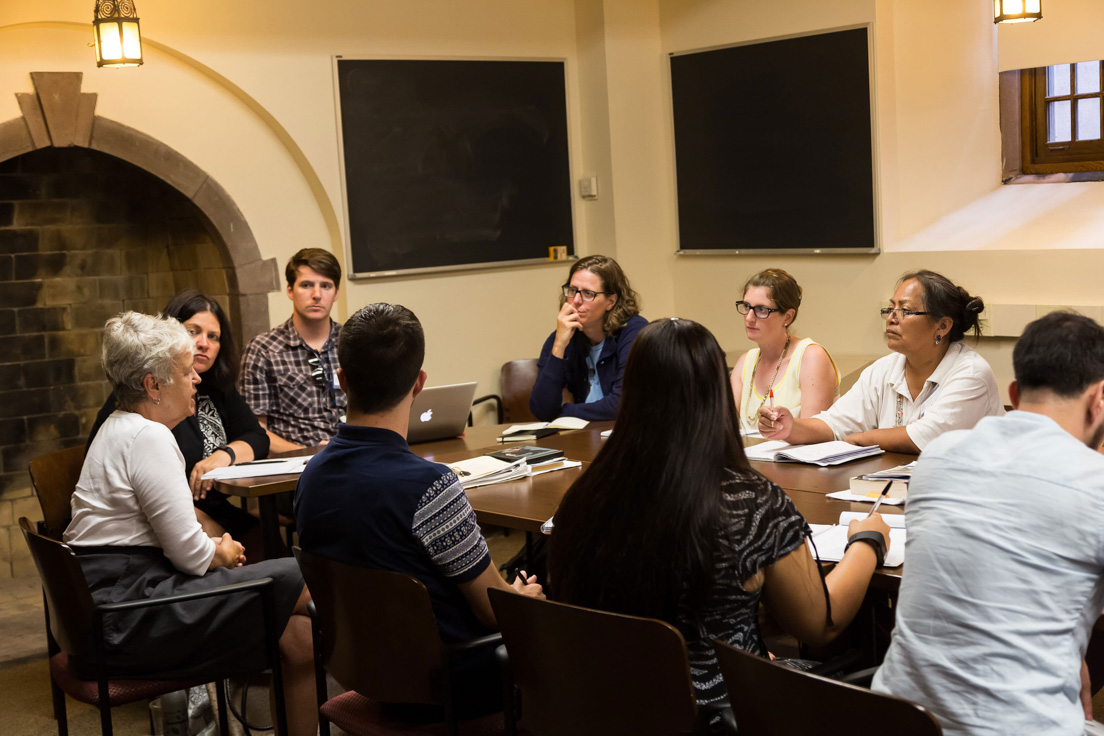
<point x="958" y="393"/>
<point x="133" y="492"/>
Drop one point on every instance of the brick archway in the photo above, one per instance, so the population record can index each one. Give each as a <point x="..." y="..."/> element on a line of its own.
<point x="58" y="114"/>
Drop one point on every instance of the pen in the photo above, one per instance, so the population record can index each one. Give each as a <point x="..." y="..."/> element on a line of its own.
<point x="881" y="496"/>
<point x="771" y="392"/>
<point x="258" y="462"/>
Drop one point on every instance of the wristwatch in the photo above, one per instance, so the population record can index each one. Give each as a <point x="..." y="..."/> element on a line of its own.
<point x="234" y="458"/>
<point x="874" y="538"/>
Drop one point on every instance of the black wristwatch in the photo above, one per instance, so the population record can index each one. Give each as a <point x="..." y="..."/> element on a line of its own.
<point x="874" y="538"/>
<point x="233" y="457"/>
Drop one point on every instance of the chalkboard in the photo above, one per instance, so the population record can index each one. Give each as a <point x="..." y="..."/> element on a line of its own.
<point x="453" y="163"/>
<point x="773" y="147"/>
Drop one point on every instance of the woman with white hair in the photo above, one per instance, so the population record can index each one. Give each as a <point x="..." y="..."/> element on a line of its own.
<point x="135" y="532"/>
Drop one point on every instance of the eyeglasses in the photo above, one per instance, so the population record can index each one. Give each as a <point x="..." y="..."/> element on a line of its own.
<point x="901" y="312"/>
<point x="569" y="292"/>
<point x="761" y="311"/>
<point x="318" y="372"/>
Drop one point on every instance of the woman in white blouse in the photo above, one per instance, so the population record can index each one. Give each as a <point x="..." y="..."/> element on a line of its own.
<point x="798" y="372"/>
<point x="135" y="532"/>
<point x="931" y="384"/>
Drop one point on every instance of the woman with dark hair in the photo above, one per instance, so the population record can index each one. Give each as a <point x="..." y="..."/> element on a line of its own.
<point x="788" y="371"/>
<point x="670" y="522"/>
<point x="223" y="431"/>
<point x="931" y="384"/>
<point x="598" y="321"/>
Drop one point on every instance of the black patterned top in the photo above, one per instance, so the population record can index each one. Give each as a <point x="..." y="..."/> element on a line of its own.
<point x="759" y="526"/>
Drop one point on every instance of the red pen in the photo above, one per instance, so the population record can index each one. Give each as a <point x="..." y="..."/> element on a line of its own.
<point x="771" y="392"/>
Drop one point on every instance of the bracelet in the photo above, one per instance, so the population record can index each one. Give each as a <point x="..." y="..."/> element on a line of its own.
<point x="874" y="538"/>
<point x="228" y="451"/>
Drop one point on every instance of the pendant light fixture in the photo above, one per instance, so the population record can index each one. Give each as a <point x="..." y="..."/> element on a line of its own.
<point x="1017" y="11"/>
<point x="115" y="26"/>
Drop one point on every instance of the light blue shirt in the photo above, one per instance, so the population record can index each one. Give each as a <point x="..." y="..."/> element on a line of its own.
<point x="595" y="392"/>
<point x="1003" y="579"/>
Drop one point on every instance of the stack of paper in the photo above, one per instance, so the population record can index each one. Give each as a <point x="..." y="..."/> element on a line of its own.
<point x="536" y="430"/>
<point x="259" y="468"/>
<point x="822" y="453"/>
<point x="831" y="539"/>
<point x="485" y="470"/>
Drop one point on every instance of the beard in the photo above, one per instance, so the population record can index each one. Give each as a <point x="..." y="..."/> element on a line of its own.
<point x="1097" y="438"/>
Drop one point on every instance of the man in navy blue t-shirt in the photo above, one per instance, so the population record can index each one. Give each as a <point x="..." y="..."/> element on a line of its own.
<point x="367" y="500"/>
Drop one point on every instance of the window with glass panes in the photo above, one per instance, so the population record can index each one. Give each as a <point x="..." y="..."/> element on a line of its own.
<point x="1063" y="113"/>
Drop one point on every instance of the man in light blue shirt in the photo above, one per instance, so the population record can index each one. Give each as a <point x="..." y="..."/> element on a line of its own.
<point x="1005" y="557"/>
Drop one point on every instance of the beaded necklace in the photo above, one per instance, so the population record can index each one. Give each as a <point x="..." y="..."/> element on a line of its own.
<point x="753" y="417"/>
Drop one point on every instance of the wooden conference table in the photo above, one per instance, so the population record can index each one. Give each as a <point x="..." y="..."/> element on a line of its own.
<point x="527" y="503"/>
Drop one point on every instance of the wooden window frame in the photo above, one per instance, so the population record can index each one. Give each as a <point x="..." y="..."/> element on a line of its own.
<point x="1041" y="156"/>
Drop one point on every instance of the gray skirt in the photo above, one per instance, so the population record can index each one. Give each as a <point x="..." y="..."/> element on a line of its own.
<point x="223" y="634"/>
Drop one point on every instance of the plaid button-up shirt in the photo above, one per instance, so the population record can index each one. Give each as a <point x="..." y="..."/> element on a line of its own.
<point x="276" y="383"/>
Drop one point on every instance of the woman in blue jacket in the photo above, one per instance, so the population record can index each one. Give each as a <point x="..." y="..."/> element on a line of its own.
<point x="598" y="321"/>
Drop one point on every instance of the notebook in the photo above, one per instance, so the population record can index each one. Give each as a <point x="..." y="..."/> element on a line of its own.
<point x="831" y="539"/>
<point x="440" y="412"/>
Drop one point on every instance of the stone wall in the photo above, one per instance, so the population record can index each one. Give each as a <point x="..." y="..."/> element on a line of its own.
<point x="83" y="236"/>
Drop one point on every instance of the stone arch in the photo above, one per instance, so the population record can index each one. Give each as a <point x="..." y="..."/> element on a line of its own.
<point x="58" y="114"/>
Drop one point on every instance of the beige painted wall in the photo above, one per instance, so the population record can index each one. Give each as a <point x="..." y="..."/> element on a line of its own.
<point x="1068" y="32"/>
<point x="245" y="90"/>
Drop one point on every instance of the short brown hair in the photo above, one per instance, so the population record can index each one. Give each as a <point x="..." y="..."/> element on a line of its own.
<point x="316" y="259"/>
<point x="784" y="289"/>
<point x="380" y="350"/>
<point x="614" y="281"/>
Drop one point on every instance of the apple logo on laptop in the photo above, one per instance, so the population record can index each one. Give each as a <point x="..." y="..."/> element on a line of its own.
<point x="426" y="415"/>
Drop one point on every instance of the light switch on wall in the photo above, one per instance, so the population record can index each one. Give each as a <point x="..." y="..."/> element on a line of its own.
<point x="588" y="187"/>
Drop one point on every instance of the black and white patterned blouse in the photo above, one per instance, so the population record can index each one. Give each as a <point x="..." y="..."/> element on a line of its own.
<point x="759" y="526"/>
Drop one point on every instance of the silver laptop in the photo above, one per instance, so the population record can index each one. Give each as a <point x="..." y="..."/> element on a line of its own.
<point x="440" y="412"/>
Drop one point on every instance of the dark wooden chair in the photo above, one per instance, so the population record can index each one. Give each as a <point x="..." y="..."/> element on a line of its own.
<point x="74" y="626"/>
<point x="375" y="633"/>
<point x="54" y="478"/>
<point x="770" y="699"/>
<point x="581" y="671"/>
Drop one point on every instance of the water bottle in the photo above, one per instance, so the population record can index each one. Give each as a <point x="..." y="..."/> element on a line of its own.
<point x="174" y="713"/>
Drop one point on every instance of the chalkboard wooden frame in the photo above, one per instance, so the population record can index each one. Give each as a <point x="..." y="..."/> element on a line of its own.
<point x="691" y="243"/>
<point x="453" y="163"/>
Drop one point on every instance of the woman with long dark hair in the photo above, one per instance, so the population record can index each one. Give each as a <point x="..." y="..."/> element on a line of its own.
<point x="223" y="431"/>
<point x="670" y="522"/>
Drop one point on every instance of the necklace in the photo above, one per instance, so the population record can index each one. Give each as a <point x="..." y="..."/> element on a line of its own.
<point x="753" y="417"/>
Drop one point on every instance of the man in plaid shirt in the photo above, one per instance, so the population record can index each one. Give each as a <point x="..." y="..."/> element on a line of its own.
<point x="289" y="374"/>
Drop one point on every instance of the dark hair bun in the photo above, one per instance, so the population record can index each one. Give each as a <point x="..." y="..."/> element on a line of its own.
<point x="975" y="305"/>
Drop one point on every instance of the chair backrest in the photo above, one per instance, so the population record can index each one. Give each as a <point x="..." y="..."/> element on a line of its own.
<point x="379" y="633"/>
<point x="518" y="377"/>
<point x="586" y="671"/>
<point x="54" y="478"/>
<point x="771" y="699"/>
<point x="67" y="594"/>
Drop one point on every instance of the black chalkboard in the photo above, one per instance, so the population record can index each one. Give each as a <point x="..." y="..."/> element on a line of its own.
<point x="453" y="163"/>
<point x="773" y="145"/>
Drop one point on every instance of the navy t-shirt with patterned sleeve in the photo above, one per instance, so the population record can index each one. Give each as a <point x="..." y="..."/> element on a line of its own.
<point x="367" y="500"/>
<point x="758" y="526"/>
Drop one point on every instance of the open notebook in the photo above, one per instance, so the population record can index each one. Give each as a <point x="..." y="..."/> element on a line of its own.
<point x="831" y="539"/>
<point x="821" y="453"/>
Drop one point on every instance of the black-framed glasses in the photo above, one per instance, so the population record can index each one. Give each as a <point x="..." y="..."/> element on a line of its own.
<point x="901" y="312"/>
<point x="761" y="311"/>
<point x="570" y="291"/>
<point x="318" y="371"/>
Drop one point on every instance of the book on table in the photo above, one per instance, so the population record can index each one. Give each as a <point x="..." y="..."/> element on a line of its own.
<point x="536" y="430"/>
<point x="823" y="454"/>
<point x="530" y="454"/>
<point x="831" y="539"/>
<point x="259" y="468"/>
<point x="485" y="470"/>
<point x="873" y="483"/>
